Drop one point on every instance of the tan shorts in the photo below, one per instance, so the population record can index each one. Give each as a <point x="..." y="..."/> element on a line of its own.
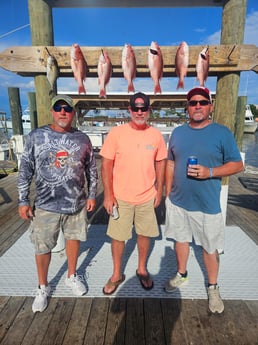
<point x="206" y="229"/>
<point x="45" y="227"/>
<point x="142" y="216"/>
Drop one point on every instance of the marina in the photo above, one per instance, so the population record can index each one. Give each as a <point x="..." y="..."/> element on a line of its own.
<point x="131" y="316"/>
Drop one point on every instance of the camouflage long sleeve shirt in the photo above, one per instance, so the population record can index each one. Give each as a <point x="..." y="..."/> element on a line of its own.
<point x="63" y="165"/>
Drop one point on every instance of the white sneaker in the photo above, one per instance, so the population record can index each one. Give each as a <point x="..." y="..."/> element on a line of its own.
<point x="216" y="304"/>
<point x="40" y="302"/>
<point x="76" y="284"/>
<point x="175" y="283"/>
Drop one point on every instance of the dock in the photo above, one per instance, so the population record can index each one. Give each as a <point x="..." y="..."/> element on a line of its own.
<point x="141" y="318"/>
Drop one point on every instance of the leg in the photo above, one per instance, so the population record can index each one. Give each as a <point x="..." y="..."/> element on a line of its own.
<point x="73" y="281"/>
<point x="143" y="244"/>
<point x="211" y="262"/>
<point x="72" y="252"/>
<point x="117" y="248"/>
<point x="182" y="253"/>
<point x="42" y="263"/>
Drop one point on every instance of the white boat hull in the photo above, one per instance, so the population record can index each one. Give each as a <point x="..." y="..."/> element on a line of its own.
<point x="250" y="128"/>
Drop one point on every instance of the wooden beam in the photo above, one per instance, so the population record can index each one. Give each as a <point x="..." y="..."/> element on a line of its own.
<point x="31" y="61"/>
<point x="134" y="3"/>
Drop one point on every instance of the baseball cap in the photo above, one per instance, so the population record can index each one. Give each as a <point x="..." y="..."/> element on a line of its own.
<point x="145" y="98"/>
<point x="200" y="90"/>
<point x="64" y="98"/>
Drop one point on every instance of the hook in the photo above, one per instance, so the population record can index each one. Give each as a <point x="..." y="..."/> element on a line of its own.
<point x="231" y="51"/>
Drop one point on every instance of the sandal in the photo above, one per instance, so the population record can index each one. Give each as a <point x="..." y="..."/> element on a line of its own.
<point x="113" y="285"/>
<point x="144" y="280"/>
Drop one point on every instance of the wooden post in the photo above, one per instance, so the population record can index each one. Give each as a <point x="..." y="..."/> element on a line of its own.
<point x="33" y="110"/>
<point x="16" y="112"/>
<point x="240" y="120"/>
<point x="41" y="23"/>
<point x="232" y="32"/>
<point x="234" y="11"/>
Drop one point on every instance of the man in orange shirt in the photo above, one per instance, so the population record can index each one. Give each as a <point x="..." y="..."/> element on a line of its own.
<point x="133" y="166"/>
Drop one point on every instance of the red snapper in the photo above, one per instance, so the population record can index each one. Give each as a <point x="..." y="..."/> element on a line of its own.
<point x="129" y="66"/>
<point x="79" y="67"/>
<point x="155" y="62"/>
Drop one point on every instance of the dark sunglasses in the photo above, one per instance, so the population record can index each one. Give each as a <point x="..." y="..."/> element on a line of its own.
<point x="136" y="109"/>
<point x="58" y="107"/>
<point x="201" y="102"/>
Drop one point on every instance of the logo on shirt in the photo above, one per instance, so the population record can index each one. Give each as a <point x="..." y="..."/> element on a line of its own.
<point x="61" y="159"/>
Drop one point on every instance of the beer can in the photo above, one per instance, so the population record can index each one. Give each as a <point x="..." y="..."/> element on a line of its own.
<point x="192" y="160"/>
<point x="115" y="213"/>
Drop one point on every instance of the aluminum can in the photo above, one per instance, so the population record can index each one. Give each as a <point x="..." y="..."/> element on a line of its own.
<point x="192" y="160"/>
<point x="115" y="213"/>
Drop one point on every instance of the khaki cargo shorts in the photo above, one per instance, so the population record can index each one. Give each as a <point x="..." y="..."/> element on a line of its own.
<point x="142" y="216"/>
<point x="45" y="227"/>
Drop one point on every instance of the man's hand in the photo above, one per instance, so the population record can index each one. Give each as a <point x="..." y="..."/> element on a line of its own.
<point x="90" y="205"/>
<point x="25" y="212"/>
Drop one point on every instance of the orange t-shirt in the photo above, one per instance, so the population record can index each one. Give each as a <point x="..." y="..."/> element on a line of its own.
<point x="134" y="153"/>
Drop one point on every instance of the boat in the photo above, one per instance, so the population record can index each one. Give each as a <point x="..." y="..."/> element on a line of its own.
<point x="6" y="125"/>
<point x="250" y="125"/>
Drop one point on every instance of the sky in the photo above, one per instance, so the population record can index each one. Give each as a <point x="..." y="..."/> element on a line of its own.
<point x="114" y="27"/>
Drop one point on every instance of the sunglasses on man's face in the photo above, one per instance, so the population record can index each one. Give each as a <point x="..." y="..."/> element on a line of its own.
<point x="202" y="102"/>
<point x="58" y="108"/>
<point x="136" y="109"/>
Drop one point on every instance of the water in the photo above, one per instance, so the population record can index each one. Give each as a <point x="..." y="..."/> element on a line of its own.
<point x="250" y="148"/>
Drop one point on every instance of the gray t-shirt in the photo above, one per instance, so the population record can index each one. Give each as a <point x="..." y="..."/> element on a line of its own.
<point x="61" y="164"/>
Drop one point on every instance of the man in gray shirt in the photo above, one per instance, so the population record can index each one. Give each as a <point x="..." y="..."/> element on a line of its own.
<point x="61" y="160"/>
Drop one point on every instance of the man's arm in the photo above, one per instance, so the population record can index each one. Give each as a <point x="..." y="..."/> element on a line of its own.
<point x="227" y="169"/>
<point x="107" y="181"/>
<point x="160" y="177"/>
<point x="169" y="176"/>
<point x="26" y="172"/>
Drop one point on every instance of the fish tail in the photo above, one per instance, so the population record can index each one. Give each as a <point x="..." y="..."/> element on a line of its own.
<point x="102" y="93"/>
<point x="131" y="87"/>
<point x="81" y="89"/>
<point x="52" y="93"/>
<point x="157" y="89"/>
<point x="180" y="84"/>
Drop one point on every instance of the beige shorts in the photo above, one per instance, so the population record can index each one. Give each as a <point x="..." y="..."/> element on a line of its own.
<point x="206" y="229"/>
<point x="142" y="216"/>
<point x="45" y="227"/>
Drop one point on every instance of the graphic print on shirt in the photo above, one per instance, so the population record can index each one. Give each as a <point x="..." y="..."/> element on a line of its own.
<point x="59" y="160"/>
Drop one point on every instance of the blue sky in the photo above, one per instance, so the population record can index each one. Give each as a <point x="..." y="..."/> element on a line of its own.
<point x="115" y="27"/>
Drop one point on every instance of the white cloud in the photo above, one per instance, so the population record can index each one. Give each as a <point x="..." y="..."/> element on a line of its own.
<point x="251" y="29"/>
<point x="248" y="80"/>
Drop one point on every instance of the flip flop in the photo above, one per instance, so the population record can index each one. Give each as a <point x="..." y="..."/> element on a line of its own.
<point x="145" y="279"/>
<point x="113" y="285"/>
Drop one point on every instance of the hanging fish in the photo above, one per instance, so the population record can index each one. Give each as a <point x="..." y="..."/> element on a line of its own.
<point x="79" y="67"/>
<point x="155" y="62"/>
<point x="129" y="66"/>
<point x="202" y="65"/>
<point x="181" y="63"/>
<point x="104" y="72"/>
<point x="52" y="73"/>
